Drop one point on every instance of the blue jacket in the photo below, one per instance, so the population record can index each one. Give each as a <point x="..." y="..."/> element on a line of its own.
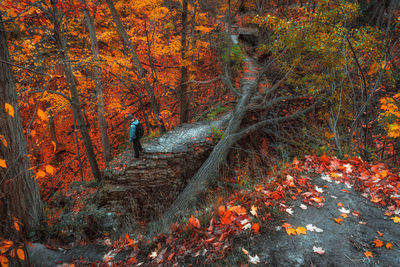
<point x="132" y="132"/>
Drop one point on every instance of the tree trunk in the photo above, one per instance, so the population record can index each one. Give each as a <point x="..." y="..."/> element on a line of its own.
<point x="183" y="94"/>
<point x="105" y="141"/>
<point x="76" y="107"/>
<point x="209" y="171"/>
<point x="19" y="193"/>
<point x="138" y="65"/>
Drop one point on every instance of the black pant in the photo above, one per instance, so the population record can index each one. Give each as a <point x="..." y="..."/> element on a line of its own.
<point x="137" y="147"/>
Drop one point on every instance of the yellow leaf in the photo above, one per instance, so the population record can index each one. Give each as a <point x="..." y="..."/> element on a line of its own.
<point x="291" y="231"/>
<point x="3" y="261"/>
<point x="9" y="109"/>
<point x="21" y="254"/>
<point x="301" y="231"/>
<point x="3" y="163"/>
<point x="42" y="115"/>
<point x="40" y="174"/>
<point x="396" y="219"/>
<point x="50" y="169"/>
<point x="3" y="140"/>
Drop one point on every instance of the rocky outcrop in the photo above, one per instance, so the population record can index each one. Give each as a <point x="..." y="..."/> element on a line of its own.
<point x="143" y="188"/>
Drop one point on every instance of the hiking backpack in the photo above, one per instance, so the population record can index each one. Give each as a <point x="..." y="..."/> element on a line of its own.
<point x="139" y="130"/>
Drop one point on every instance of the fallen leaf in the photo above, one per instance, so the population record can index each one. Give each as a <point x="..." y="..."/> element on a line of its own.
<point x="42" y="115"/>
<point x="318" y="250"/>
<point x="256" y="227"/>
<point x="50" y="169"/>
<point x="238" y="209"/>
<point x="301" y="231"/>
<point x="194" y="222"/>
<point x="40" y="174"/>
<point x="313" y="228"/>
<point x="153" y="255"/>
<point x="302" y="206"/>
<point x="339" y="204"/>
<point x="253" y="210"/>
<point x="245" y="251"/>
<point x="286" y="226"/>
<point x="254" y="260"/>
<point x="338" y="220"/>
<point x="289" y="210"/>
<point x="355" y="213"/>
<point x="379" y="233"/>
<point x="396" y="219"/>
<point x="344" y="215"/>
<point x="319" y="189"/>
<point x="368" y="254"/>
<point x="246" y="226"/>
<point x="343" y="210"/>
<point x="316" y="199"/>
<point x="378" y="243"/>
<point x="291" y="231"/>
<point x="3" y="261"/>
<point x="389" y="246"/>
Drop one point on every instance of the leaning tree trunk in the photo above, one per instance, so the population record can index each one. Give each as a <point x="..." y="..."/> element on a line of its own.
<point x="105" y="141"/>
<point x="76" y="106"/>
<point x="138" y="65"/>
<point x="209" y="171"/>
<point x="19" y="193"/>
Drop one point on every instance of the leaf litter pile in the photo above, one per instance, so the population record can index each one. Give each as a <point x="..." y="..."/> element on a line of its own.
<point x="208" y="238"/>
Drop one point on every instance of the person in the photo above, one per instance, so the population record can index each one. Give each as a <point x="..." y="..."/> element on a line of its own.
<point x="135" y="133"/>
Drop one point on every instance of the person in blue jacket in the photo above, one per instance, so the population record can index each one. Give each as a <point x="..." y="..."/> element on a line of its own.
<point x="135" y="133"/>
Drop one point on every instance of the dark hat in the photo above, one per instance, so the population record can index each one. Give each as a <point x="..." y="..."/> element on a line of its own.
<point x="129" y="117"/>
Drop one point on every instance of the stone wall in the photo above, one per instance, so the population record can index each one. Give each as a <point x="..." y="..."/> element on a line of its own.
<point x="143" y="188"/>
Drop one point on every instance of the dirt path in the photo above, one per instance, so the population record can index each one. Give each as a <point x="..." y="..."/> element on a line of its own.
<point x="345" y="243"/>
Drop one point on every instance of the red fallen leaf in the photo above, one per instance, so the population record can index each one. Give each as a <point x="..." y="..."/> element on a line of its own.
<point x="256" y="227"/>
<point x="355" y="213"/>
<point x="132" y="260"/>
<point x="209" y="240"/>
<point x="378" y="243"/>
<point x="338" y="220"/>
<point x="171" y="256"/>
<point x="324" y="159"/>
<point x="286" y="226"/>
<point x="345" y="190"/>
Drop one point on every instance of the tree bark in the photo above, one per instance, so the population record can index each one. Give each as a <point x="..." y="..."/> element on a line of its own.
<point x="183" y="93"/>
<point x="76" y="106"/>
<point x="137" y="64"/>
<point x="105" y="141"/>
<point x="209" y="171"/>
<point x="19" y="193"/>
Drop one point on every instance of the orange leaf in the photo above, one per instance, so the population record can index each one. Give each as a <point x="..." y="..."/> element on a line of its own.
<point x="291" y="231"/>
<point x="54" y="146"/>
<point x="338" y="220"/>
<point x="329" y="135"/>
<point x="238" y="209"/>
<point x="339" y="204"/>
<point x="21" y="254"/>
<point x="384" y="173"/>
<point x="42" y="115"/>
<point x="301" y="231"/>
<point x="16" y="226"/>
<point x="374" y="68"/>
<point x="256" y="227"/>
<point x="40" y="174"/>
<point x="3" y="261"/>
<point x="389" y="246"/>
<point x="376" y="200"/>
<point x="12" y="253"/>
<point x="9" y="109"/>
<point x="379" y="233"/>
<point x="50" y="169"/>
<point x="286" y="226"/>
<point x="316" y="199"/>
<point x="221" y="210"/>
<point x="378" y="243"/>
<point x="245" y="251"/>
<point x="3" y="163"/>
<point x="171" y="256"/>
<point x="324" y="158"/>
<point x="3" y="140"/>
<point x="368" y="254"/>
<point x="129" y="239"/>
<point x="344" y="215"/>
<point x="194" y="222"/>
